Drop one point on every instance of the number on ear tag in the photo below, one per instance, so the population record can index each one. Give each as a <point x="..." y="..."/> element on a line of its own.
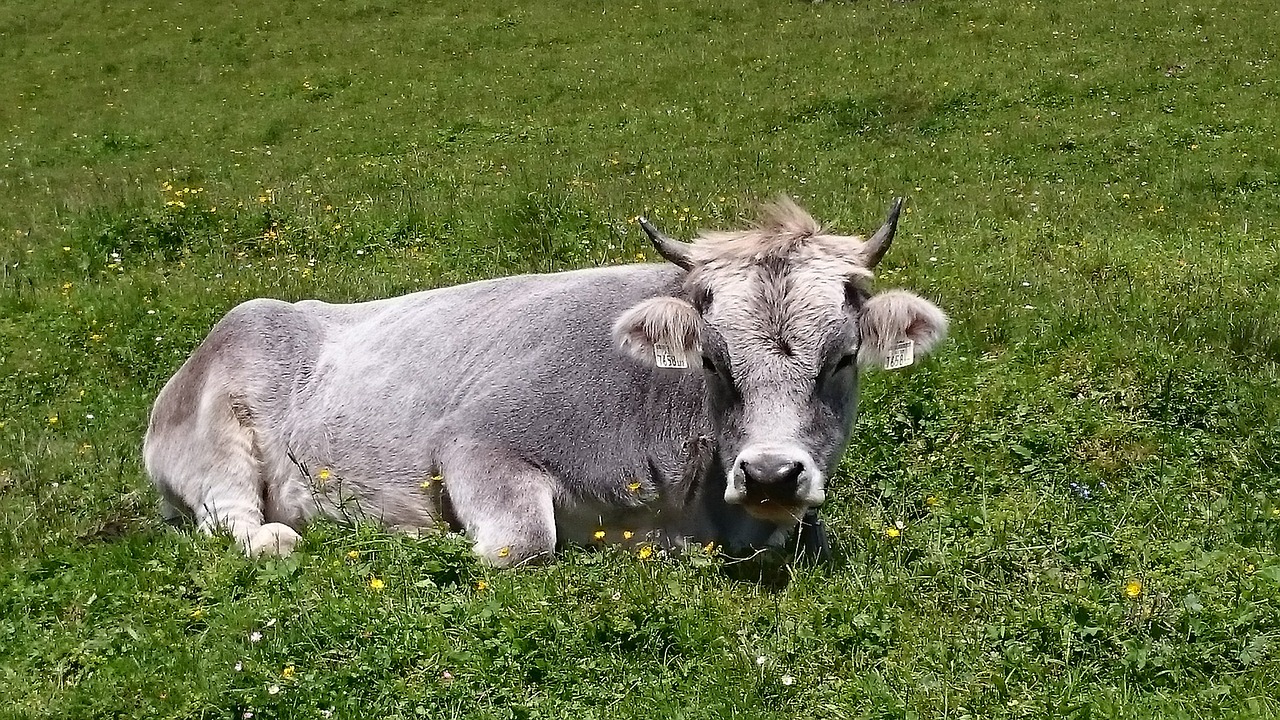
<point x="666" y="355"/>
<point x="900" y="355"/>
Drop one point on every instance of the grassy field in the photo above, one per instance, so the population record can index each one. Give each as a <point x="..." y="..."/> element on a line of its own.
<point x="1087" y="476"/>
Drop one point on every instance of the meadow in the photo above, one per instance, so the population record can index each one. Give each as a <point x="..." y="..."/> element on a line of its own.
<point x="1073" y="510"/>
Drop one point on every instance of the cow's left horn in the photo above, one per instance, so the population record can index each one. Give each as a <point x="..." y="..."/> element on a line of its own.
<point x="680" y="253"/>
<point x="875" y="248"/>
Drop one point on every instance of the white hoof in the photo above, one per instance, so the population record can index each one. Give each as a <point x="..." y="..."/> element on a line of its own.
<point x="275" y="539"/>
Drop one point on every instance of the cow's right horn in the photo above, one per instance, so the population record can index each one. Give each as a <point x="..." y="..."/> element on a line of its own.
<point x="875" y="248"/>
<point x="680" y="253"/>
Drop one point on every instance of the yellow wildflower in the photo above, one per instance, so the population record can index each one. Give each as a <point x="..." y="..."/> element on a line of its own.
<point x="598" y="535"/>
<point x="481" y="585"/>
<point x="710" y="548"/>
<point x="353" y="554"/>
<point x="505" y="551"/>
<point x="1133" y="588"/>
<point x="645" y="553"/>
<point x="288" y="672"/>
<point x="931" y="501"/>
<point x="53" y="419"/>
<point x="323" y="475"/>
<point x="377" y="584"/>
<point x="627" y="534"/>
<point x="634" y="486"/>
<point x="892" y="532"/>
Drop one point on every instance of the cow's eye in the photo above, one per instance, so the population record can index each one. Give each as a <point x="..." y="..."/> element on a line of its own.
<point x="716" y="369"/>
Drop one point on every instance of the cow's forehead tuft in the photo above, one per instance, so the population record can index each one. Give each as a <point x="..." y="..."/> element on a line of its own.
<point x="761" y="312"/>
<point x="784" y="234"/>
<point x="778" y="287"/>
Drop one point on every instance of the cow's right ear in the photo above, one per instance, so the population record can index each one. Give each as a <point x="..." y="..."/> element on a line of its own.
<point x="661" y="331"/>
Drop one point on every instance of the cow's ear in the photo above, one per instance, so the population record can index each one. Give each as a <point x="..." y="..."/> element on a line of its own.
<point x="660" y="331"/>
<point x="889" y="319"/>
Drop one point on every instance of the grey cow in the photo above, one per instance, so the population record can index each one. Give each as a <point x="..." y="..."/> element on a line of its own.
<point x="705" y="399"/>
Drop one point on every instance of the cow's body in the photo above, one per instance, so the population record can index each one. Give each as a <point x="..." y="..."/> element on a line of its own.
<point x="505" y="407"/>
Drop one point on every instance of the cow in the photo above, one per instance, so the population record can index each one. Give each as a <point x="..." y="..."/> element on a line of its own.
<point x="704" y="399"/>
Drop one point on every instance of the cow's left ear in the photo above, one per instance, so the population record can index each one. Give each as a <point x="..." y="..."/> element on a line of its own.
<point x="661" y="331"/>
<point x="890" y="318"/>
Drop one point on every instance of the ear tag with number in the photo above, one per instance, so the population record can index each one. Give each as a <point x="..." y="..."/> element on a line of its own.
<point x="900" y="355"/>
<point x="666" y="355"/>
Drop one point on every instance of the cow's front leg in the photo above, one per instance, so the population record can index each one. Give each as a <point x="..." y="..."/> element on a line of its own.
<point x="812" y="544"/>
<point x="505" y="505"/>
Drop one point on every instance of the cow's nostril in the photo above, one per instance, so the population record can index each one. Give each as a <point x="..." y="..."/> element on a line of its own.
<point x="773" y="473"/>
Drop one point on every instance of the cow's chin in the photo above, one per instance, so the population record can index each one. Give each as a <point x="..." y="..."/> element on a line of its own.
<point x="773" y="511"/>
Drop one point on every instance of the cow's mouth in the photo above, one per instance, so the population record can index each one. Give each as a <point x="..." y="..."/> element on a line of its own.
<point x="765" y="507"/>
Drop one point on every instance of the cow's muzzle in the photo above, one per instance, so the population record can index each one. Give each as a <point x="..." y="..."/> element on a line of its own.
<point x="775" y="483"/>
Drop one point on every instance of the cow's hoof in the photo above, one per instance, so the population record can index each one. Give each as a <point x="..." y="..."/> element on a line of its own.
<point x="273" y="539"/>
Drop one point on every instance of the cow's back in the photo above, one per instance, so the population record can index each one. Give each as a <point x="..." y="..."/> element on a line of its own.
<point x="525" y="362"/>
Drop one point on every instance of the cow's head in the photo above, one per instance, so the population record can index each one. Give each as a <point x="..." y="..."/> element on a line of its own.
<point x="778" y="318"/>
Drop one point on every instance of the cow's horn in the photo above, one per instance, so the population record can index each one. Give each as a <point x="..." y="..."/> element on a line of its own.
<point x="680" y="253"/>
<point x="875" y="248"/>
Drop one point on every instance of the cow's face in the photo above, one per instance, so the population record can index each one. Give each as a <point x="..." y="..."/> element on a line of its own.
<point x="778" y="319"/>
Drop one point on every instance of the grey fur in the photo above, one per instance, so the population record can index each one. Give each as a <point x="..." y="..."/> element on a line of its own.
<point x="526" y="410"/>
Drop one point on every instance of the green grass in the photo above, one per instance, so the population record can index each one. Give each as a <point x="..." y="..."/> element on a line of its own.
<point x="1095" y="201"/>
